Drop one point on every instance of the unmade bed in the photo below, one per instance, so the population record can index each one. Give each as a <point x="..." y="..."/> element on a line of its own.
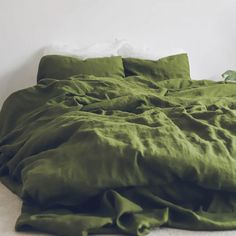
<point x="121" y="146"/>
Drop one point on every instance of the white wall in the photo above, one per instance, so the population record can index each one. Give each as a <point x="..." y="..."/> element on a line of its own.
<point x="206" y="29"/>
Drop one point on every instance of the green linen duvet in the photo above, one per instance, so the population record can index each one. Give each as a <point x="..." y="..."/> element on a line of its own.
<point x="121" y="155"/>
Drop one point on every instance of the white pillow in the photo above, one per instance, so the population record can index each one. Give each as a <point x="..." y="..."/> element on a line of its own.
<point x="117" y="47"/>
<point x="127" y="50"/>
<point x="104" y="49"/>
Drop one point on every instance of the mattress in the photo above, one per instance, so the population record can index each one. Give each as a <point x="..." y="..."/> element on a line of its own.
<point x="10" y="209"/>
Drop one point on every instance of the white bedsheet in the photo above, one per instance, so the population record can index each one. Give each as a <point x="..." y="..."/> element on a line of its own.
<point x="10" y="206"/>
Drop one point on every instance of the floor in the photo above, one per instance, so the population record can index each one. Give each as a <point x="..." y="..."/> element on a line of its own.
<point x="10" y="206"/>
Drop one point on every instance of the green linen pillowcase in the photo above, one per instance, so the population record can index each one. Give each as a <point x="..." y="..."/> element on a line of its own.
<point x="61" y="67"/>
<point x="171" y="67"/>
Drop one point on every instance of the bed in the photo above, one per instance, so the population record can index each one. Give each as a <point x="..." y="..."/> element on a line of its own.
<point x="122" y="146"/>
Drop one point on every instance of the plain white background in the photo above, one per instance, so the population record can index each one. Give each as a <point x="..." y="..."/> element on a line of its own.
<point x="204" y="28"/>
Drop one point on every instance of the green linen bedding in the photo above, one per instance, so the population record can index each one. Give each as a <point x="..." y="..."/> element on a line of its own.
<point x="171" y="67"/>
<point x="121" y="155"/>
<point x="60" y="67"/>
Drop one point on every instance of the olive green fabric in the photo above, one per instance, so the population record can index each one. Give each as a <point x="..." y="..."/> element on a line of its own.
<point x="113" y="155"/>
<point x="59" y="67"/>
<point x="172" y="67"/>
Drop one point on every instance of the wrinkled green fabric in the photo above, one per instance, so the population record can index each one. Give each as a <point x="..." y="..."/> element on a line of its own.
<point x="60" y="67"/>
<point x="171" y="67"/>
<point x="112" y="155"/>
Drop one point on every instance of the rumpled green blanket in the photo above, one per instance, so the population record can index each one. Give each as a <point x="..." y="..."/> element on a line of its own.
<point x="113" y="155"/>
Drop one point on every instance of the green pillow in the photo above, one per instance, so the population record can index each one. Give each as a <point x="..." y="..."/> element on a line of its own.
<point x="171" y="67"/>
<point x="61" y="67"/>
